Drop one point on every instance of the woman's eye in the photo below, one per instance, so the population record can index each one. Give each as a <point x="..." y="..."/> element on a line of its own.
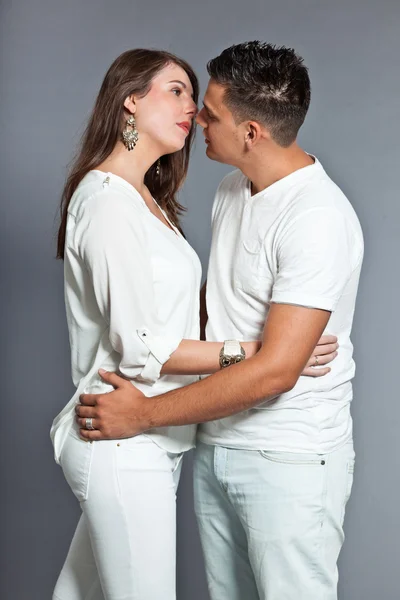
<point x="177" y="91"/>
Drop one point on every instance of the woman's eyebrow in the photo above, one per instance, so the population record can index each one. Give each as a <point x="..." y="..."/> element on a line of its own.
<point x="180" y="83"/>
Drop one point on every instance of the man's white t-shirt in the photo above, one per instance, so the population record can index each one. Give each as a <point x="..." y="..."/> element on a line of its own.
<point x="297" y="242"/>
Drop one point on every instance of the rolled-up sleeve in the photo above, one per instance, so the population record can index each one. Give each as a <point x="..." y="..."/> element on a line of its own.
<point x="113" y="244"/>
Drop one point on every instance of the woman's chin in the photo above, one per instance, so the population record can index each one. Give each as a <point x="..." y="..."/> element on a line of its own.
<point x="179" y="143"/>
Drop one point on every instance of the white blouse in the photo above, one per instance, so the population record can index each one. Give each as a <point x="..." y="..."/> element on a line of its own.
<point x="132" y="289"/>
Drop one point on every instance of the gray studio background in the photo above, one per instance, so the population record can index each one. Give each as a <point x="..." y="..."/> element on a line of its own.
<point x="53" y="56"/>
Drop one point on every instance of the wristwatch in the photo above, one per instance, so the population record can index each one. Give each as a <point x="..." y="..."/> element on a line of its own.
<point x="231" y="353"/>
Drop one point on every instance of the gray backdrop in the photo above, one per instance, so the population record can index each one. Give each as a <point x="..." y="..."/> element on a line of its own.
<point x="53" y="57"/>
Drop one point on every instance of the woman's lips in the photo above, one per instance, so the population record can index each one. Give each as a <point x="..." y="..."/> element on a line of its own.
<point x="185" y="126"/>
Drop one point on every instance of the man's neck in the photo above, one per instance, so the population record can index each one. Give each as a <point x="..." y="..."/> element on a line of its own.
<point x="266" y="168"/>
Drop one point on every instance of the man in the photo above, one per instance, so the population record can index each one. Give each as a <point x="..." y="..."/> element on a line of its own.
<point x="274" y="462"/>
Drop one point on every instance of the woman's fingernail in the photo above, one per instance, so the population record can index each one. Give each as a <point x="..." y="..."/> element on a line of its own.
<point x="102" y="371"/>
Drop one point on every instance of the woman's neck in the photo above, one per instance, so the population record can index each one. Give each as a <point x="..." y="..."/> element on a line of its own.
<point x="130" y="165"/>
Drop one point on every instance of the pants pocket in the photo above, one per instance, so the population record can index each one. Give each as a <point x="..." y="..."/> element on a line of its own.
<point x="289" y="458"/>
<point x="75" y="461"/>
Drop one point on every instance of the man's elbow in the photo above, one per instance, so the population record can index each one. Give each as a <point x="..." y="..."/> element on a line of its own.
<point x="288" y="383"/>
<point x="284" y="383"/>
<point x="280" y="382"/>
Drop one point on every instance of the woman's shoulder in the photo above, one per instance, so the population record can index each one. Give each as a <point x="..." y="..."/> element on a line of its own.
<point x="99" y="194"/>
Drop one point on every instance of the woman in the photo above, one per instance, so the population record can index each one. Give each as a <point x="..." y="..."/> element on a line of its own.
<point x="132" y="298"/>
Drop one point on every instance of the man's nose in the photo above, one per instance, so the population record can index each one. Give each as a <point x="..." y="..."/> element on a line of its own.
<point x="200" y="119"/>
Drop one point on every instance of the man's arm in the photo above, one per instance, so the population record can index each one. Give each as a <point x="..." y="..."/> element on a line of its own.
<point x="290" y="334"/>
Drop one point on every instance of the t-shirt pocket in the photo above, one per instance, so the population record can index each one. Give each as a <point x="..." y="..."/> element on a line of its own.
<point x="252" y="275"/>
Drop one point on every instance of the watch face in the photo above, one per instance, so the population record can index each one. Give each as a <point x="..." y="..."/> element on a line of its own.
<point x="225" y="361"/>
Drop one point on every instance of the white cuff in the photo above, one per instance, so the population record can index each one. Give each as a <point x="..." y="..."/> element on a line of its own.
<point x="159" y="353"/>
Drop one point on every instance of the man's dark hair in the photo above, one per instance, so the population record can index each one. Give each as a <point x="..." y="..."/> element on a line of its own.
<point x="264" y="83"/>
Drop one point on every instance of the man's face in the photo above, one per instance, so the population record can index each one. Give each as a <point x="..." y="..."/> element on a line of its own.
<point x="224" y="138"/>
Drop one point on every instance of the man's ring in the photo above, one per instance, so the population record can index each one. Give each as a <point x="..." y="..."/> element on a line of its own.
<point x="315" y="365"/>
<point x="89" y="423"/>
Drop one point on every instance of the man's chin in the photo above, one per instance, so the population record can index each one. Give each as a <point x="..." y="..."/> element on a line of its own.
<point x="214" y="156"/>
<point x="211" y="154"/>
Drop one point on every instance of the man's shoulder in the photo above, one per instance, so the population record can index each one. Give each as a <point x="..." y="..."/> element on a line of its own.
<point x="321" y="194"/>
<point x="232" y="182"/>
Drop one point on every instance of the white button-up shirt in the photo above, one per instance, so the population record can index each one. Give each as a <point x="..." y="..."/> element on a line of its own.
<point x="132" y="294"/>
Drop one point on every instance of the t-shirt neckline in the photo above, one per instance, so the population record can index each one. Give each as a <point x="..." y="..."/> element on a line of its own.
<point x="287" y="181"/>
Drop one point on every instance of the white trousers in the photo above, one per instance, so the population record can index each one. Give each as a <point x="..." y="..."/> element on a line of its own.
<point x="124" y="547"/>
<point x="271" y="523"/>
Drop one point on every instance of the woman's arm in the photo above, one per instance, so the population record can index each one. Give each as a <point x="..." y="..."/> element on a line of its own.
<point x="202" y="358"/>
<point x="193" y="357"/>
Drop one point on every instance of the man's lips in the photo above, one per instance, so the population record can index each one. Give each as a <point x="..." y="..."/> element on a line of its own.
<point x="185" y="126"/>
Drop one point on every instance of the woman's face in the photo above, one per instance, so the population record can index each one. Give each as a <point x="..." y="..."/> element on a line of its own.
<point x="166" y="114"/>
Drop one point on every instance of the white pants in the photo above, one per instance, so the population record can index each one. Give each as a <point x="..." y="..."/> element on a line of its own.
<point x="271" y="523"/>
<point x="124" y="547"/>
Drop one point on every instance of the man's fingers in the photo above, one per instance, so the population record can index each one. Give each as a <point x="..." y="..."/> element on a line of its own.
<point x="89" y="399"/>
<point x="112" y="378"/>
<point x="115" y="380"/>
<point x="85" y="411"/>
<point x="82" y="423"/>
<point x="88" y="435"/>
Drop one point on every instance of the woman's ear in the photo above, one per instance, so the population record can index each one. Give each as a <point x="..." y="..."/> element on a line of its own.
<point x="130" y="104"/>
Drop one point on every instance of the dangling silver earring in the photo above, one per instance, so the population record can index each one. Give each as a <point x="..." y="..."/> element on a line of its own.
<point x="130" y="136"/>
<point x="158" y="168"/>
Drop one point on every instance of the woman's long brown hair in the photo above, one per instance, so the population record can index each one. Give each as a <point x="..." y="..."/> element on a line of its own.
<point x="131" y="73"/>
